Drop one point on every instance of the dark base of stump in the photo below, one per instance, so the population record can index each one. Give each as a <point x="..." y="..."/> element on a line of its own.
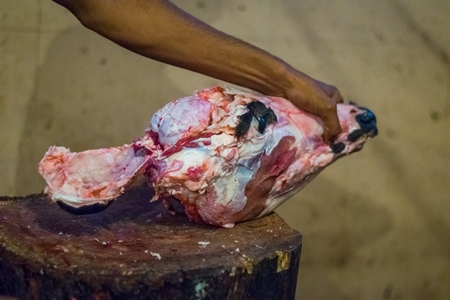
<point x="136" y="250"/>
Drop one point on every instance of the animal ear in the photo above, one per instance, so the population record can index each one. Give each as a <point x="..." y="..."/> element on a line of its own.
<point x="271" y="116"/>
<point x="244" y="124"/>
<point x="268" y="118"/>
<point x="257" y="108"/>
<point x="265" y="115"/>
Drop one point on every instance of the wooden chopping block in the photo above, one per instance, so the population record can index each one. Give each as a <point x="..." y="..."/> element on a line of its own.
<point x="137" y="250"/>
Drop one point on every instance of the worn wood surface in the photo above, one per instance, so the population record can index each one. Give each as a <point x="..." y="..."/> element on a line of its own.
<point x="136" y="250"/>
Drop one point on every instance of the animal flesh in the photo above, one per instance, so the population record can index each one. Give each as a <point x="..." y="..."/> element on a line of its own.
<point x="228" y="156"/>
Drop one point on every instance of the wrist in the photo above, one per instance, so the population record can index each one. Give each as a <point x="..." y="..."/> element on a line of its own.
<point x="288" y="79"/>
<point x="279" y="78"/>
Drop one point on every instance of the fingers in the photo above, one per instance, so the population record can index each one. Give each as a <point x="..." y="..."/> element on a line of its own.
<point x="320" y="99"/>
<point x="331" y="91"/>
<point x="332" y="127"/>
<point x="335" y="95"/>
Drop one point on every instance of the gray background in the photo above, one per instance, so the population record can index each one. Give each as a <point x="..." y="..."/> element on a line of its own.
<point x="376" y="224"/>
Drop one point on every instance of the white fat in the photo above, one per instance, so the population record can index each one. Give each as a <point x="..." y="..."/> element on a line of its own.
<point x="231" y="189"/>
<point x="76" y="201"/>
<point x="225" y="163"/>
<point x="105" y="166"/>
<point x="226" y="188"/>
<point x="274" y="201"/>
<point x="256" y="145"/>
<point x="222" y="140"/>
<point x="191" y="157"/>
<point x="190" y="114"/>
<point x="230" y="90"/>
<point x="243" y="176"/>
<point x="88" y="177"/>
<point x="322" y="159"/>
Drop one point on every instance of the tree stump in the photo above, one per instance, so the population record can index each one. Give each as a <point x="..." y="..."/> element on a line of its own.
<point x="137" y="250"/>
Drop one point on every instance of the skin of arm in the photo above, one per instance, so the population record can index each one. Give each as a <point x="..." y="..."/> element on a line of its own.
<point x="159" y="30"/>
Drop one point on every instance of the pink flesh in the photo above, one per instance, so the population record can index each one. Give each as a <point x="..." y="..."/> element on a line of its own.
<point x="192" y="154"/>
<point x="89" y="177"/>
<point x="225" y="180"/>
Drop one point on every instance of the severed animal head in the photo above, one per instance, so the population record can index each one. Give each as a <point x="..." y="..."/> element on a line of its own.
<point x="228" y="156"/>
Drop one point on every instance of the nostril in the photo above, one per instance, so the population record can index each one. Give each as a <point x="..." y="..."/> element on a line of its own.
<point x="366" y="117"/>
<point x="375" y="132"/>
<point x="367" y="121"/>
<point x="355" y="135"/>
<point x="338" y="147"/>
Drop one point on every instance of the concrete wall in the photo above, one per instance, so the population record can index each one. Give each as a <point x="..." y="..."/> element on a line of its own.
<point x="376" y="225"/>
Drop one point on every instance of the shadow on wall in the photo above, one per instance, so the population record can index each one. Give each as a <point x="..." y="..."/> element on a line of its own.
<point x="336" y="225"/>
<point x="89" y="94"/>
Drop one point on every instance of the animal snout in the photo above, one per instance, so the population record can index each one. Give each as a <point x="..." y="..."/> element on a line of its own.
<point x="368" y="123"/>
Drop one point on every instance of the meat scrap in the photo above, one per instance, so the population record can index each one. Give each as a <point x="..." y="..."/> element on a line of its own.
<point x="228" y="156"/>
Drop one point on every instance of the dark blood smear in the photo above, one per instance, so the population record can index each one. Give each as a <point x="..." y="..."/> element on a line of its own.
<point x="259" y="187"/>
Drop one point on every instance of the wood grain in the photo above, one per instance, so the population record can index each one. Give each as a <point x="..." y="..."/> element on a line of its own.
<point x="137" y="250"/>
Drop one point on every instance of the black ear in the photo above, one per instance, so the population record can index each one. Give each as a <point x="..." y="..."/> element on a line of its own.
<point x="84" y="210"/>
<point x="257" y="108"/>
<point x="244" y="124"/>
<point x="268" y="118"/>
<point x="265" y="115"/>
<point x="271" y="116"/>
<point x="262" y="123"/>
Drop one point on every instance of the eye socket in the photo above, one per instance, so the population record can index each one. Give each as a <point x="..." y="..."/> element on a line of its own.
<point x="355" y="135"/>
<point x="262" y="124"/>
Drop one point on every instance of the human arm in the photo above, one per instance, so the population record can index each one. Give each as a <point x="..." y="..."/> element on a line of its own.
<point x="161" y="31"/>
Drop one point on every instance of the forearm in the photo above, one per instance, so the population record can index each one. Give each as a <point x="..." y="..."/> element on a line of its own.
<point x="159" y="30"/>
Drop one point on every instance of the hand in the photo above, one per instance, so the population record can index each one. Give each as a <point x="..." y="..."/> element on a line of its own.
<point x="317" y="98"/>
<point x="142" y="27"/>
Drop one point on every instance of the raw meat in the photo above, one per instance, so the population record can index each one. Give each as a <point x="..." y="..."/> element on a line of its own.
<point x="226" y="155"/>
<point x="90" y="177"/>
